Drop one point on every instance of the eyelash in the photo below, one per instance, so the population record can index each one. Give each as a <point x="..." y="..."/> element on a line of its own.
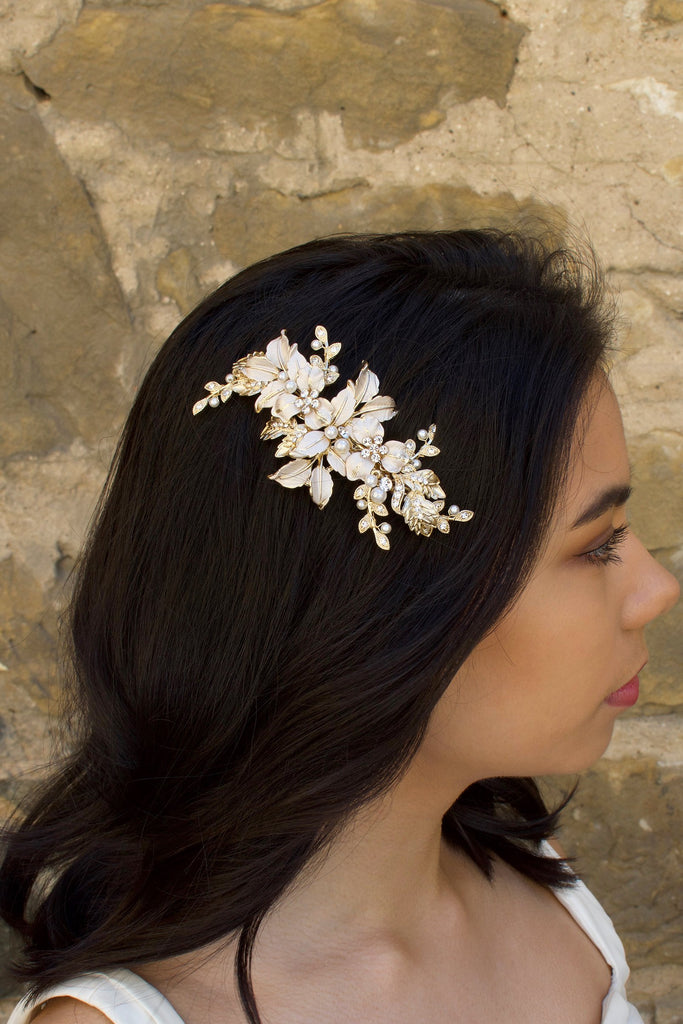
<point x="608" y="552"/>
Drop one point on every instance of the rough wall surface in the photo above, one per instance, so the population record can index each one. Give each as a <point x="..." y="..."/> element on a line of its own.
<point x="149" y="148"/>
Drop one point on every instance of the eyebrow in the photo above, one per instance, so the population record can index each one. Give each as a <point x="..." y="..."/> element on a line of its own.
<point x="613" y="497"/>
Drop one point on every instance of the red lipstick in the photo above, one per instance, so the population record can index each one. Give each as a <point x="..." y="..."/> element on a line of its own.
<point x="626" y="696"/>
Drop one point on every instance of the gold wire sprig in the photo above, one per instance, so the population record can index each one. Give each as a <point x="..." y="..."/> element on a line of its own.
<point x="416" y="494"/>
<point x="343" y="435"/>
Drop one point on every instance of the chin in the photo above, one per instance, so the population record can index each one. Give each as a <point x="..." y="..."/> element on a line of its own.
<point x="581" y="761"/>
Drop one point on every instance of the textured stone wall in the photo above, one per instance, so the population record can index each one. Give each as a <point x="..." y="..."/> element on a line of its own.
<point x="149" y="148"/>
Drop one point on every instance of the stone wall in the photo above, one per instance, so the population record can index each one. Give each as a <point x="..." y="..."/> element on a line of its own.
<point x="149" y="148"/>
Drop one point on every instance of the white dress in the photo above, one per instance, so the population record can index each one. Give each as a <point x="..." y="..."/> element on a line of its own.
<point x="125" y="998"/>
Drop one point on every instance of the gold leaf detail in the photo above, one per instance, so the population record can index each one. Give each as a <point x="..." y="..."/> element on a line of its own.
<point x="313" y="442"/>
<point x="379" y="510"/>
<point x="198" y="406"/>
<point x="294" y="474"/>
<point x="273" y="428"/>
<point x="426" y="482"/>
<point x="321" y="485"/>
<point x="365" y="524"/>
<point x="359" y="492"/>
<point x="435" y="493"/>
<point x="367" y="385"/>
<point x="259" y="368"/>
<point x="244" y="386"/>
<point x="381" y="407"/>
<point x="429" y="449"/>
<point x="397" y="493"/>
<point x="381" y="540"/>
<point x="420" y="515"/>
<point x="285" y="446"/>
<point x="334" y="350"/>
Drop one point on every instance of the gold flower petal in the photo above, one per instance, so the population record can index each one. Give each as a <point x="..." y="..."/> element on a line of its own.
<point x="293" y="474"/>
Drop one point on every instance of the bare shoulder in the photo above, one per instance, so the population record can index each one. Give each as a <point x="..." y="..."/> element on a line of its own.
<point x="65" y="1010"/>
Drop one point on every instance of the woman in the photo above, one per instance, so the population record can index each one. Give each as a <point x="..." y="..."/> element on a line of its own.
<point x="301" y="782"/>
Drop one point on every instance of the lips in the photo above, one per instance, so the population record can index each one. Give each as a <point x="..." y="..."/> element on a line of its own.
<point x="627" y="695"/>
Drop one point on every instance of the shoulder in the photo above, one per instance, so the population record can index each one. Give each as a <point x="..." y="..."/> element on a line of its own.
<point x="66" y="1010"/>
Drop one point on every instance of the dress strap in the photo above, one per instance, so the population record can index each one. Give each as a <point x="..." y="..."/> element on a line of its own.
<point x="590" y="916"/>
<point x="121" y="995"/>
<point x="580" y="902"/>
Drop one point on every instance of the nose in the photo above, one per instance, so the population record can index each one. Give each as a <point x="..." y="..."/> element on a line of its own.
<point x="653" y="589"/>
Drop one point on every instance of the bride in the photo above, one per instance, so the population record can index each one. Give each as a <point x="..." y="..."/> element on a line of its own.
<point x="324" y="634"/>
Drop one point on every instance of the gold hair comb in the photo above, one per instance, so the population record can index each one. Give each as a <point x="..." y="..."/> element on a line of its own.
<point x="343" y="435"/>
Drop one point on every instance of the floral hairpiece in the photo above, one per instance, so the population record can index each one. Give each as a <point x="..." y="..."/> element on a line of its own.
<point x="344" y="435"/>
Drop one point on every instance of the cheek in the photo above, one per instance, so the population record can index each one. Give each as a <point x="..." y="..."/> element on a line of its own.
<point x="562" y="628"/>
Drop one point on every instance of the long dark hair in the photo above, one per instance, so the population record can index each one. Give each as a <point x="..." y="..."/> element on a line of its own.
<point x="247" y="670"/>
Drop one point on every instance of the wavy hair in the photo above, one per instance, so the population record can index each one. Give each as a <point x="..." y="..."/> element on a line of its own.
<point x="246" y="670"/>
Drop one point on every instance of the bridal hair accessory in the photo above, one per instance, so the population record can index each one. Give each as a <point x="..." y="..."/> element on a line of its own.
<point x="344" y="435"/>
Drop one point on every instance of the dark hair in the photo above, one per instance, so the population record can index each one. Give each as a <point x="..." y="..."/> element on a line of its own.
<point x="247" y="669"/>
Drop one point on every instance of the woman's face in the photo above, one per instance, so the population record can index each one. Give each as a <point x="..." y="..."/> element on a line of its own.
<point x="540" y="695"/>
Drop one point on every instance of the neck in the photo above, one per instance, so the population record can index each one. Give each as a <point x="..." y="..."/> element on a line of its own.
<point x="385" y="886"/>
<point x="382" y="877"/>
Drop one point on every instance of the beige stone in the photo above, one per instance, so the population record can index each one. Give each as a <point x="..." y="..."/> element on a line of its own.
<point x="666" y="11"/>
<point x="661" y="990"/>
<point x="248" y="226"/>
<point x="45" y="505"/>
<point x="262" y="68"/>
<point x="25" y="741"/>
<point x="663" y="685"/>
<point x="658" y="476"/>
<point x="27" y="25"/>
<point x="657" y="738"/>
<point x="654" y="512"/>
<point x="6" y="1005"/>
<point x="176" y="278"/>
<point x="673" y="170"/>
<point x="62" y="320"/>
<point x="624" y="828"/>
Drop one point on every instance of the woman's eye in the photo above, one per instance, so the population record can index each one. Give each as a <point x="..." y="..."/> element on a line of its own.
<point x="608" y="553"/>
